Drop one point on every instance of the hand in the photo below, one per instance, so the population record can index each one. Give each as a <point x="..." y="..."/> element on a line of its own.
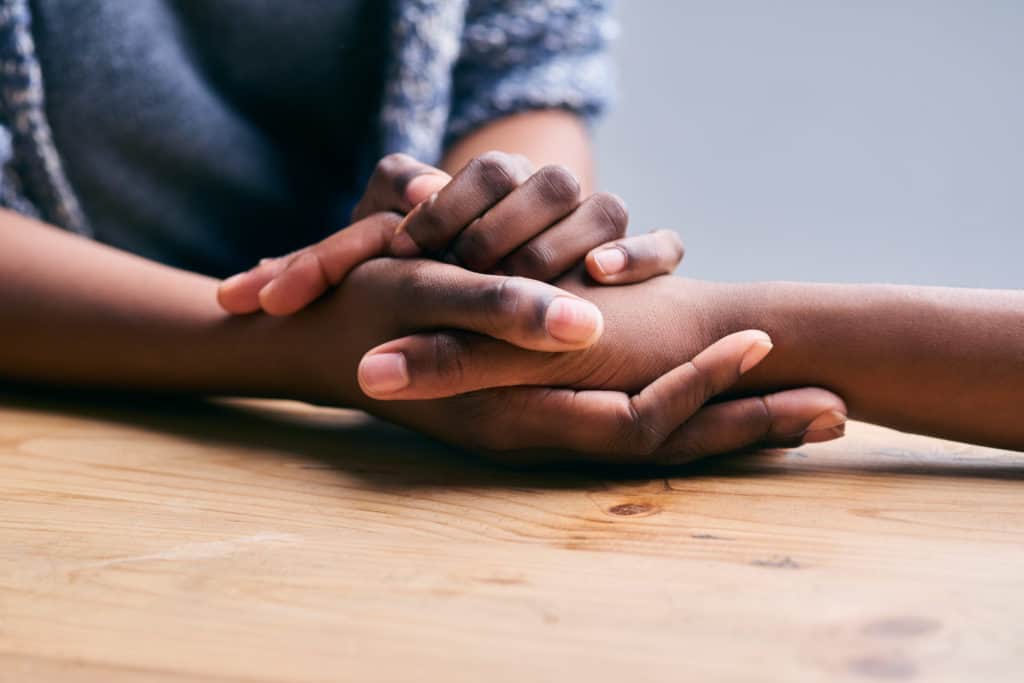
<point x="663" y="421"/>
<point x="496" y="215"/>
<point x="386" y="298"/>
<point x="677" y="319"/>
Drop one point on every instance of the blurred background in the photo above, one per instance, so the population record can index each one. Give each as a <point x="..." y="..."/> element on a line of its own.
<point x="823" y="140"/>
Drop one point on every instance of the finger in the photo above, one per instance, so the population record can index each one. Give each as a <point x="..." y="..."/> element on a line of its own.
<point x="483" y="182"/>
<point x="677" y="395"/>
<point x="635" y="259"/>
<point x="436" y="365"/>
<point x="442" y="364"/>
<point x="239" y="294"/>
<point x="600" y="218"/>
<point x="307" y="274"/>
<point x="541" y="201"/>
<point x="525" y="313"/>
<point x="398" y="183"/>
<point x="613" y="427"/>
<point x="784" y="419"/>
<point x="604" y="429"/>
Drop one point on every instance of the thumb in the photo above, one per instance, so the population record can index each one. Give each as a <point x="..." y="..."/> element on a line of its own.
<point x="421" y="187"/>
<point x="398" y="183"/>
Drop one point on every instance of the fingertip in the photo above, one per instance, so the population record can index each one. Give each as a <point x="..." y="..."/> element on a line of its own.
<point x="604" y="263"/>
<point x="823" y="435"/>
<point x="805" y="415"/>
<point x="383" y="374"/>
<point x="759" y="348"/>
<point x="675" y="243"/>
<point x="422" y="186"/>
<point x="234" y="296"/>
<point x="573" y="321"/>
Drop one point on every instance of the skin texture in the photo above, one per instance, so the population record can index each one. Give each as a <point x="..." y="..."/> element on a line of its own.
<point x="496" y="215"/>
<point x="544" y="137"/>
<point x="166" y="333"/>
<point x="498" y="157"/>
<point x="138" y="325"/>
<point x="931" y="360"/>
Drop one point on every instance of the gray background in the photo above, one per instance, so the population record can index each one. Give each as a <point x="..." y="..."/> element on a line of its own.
<point x="867" y="141"/>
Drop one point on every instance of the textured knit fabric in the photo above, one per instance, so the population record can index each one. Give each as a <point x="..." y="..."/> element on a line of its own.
<point x="453" y="66"/>
<point x="224" y="148"/>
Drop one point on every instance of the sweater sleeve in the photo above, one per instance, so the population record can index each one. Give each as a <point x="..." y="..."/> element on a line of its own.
<point x="12" y="195"/>
<point x="518" y="55"/>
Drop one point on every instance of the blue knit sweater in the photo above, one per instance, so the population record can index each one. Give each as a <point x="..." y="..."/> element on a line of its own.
<point x="456" y="65"/>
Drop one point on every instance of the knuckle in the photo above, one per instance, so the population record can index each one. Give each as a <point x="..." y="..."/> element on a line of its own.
<point x="760" y="417"/>
<point x="535" y="261"/>
<point x="557" y="185"/>
<point x="625" y="437"/>
<point x="393" y="173"/>
<point x="644" y="438"/>
<point x="415" y="281"/>
<point x="475" y="248"/>
<point x="449" y="359"/>
<point x="496" y="171"/>
<point x="504" y="305"/>
<point x="428" y="226"/>
<point x="704" y="385"/>
<point x="613" y="212"/>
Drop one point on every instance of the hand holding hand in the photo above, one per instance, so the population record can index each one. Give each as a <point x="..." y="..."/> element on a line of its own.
<point x="496" y="215"/>
<point x="645" y="402"/>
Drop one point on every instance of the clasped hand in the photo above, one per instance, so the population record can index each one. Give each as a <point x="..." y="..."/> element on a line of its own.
<point x="434" y="310"/>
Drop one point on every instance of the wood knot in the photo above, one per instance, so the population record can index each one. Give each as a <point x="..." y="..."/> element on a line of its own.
<point x="632" y="509"/>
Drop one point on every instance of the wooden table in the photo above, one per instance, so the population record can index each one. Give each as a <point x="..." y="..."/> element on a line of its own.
<point x="274" y="542"/>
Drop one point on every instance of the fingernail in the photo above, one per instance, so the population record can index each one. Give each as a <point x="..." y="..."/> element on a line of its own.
<point x="404" y="246"/>
<point x="820" y="435"/>
<point x="610" y="261"/>
<point x="828" y="420"/>
<point x="383" y="373"/>
<point x="755" y="354"/>
<point x="572" y="320"/>
<point x="422" y="186"/>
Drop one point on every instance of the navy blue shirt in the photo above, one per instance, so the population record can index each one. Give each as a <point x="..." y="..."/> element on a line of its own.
<point x="208" y="134"/>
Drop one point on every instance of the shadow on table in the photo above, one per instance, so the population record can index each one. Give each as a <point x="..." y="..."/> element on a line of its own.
<point x="390" y="457"/>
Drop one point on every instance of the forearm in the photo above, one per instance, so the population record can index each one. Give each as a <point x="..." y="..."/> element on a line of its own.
<point x="74" y="312"/>
<point x="544" y="137"/>
<point x="948" y="362"/>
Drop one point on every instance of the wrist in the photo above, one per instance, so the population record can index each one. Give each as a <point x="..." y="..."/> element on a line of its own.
<point x="814" y="329"/>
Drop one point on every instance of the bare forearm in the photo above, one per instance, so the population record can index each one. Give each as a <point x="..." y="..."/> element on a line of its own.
<point x="948" y="362"/>
<point x="74" y="312"/>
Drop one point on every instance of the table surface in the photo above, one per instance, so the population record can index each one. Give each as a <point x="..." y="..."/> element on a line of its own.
<point x="256" y="541"/>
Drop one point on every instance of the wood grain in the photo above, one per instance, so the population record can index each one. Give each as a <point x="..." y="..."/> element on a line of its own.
<point x="275" y="542"/>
